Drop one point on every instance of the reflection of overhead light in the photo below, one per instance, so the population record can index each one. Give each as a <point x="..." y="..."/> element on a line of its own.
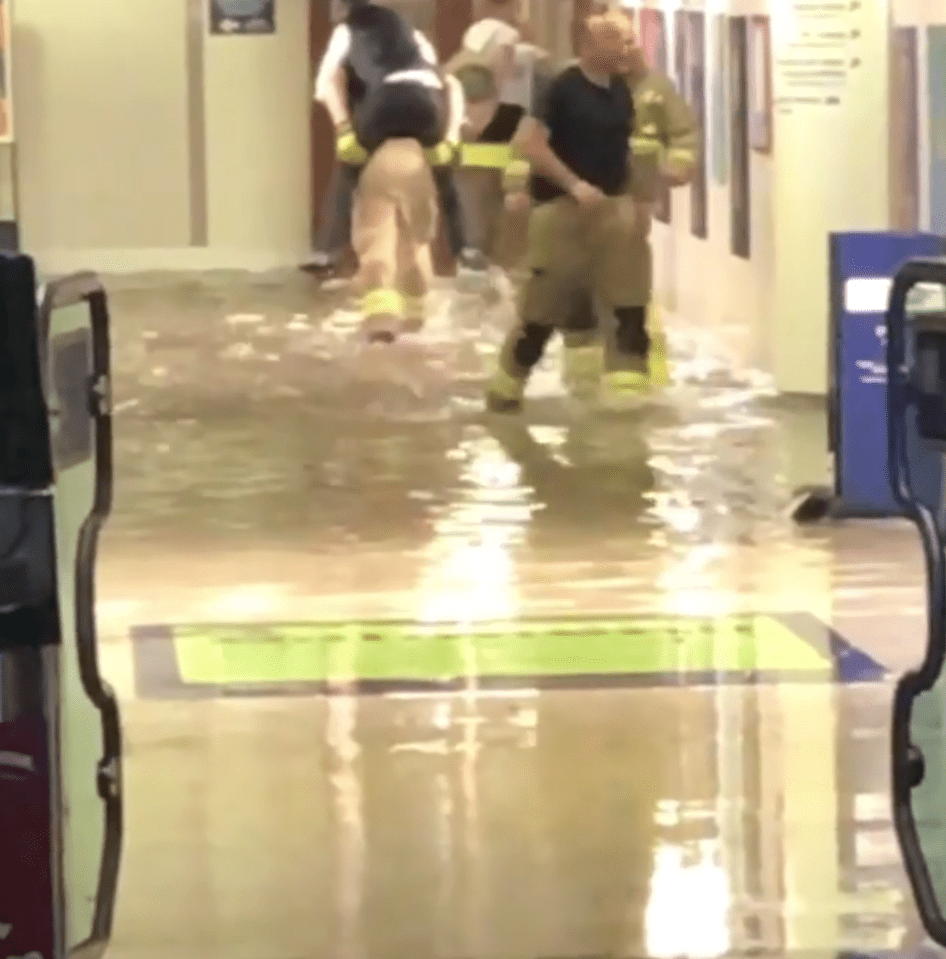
<point x="703" y="888"/>
<point x="245" y="602"/>
<point x="471" y="574"/>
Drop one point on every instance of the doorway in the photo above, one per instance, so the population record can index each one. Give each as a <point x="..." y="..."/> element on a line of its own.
<point x="444" y="23"/>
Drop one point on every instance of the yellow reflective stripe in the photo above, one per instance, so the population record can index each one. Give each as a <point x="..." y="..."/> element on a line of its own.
<point x="381" y="301"/>
<point x="516" y="175"/>
<point x="645" y="145"/>
<point x="681" y="154"/>
<point x="495" y="155"/>
<point x="506" y="385"/>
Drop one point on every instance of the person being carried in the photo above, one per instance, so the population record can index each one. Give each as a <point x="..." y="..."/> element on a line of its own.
<point x="518" y="71"/>
<point x="379" y="79"/>
<point x="578" y="146"/>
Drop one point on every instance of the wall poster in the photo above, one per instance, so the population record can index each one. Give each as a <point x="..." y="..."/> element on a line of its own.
<point x="695" y="92"/>
<point x="740" y="192"/>
<point x="242" y="17"/>
<point x="936" y="106"/>
<point x="760" y="85"/>
<point x="663" y="52"/>
<point x="904" y="131"/>
<point x="6" y="75"/>
<point x="680" y="48"/>
<point x="719" y="130"/>
<point x="653" y="31"/>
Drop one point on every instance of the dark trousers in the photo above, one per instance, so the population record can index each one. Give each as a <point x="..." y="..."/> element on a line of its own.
<point x="391" y="111"/>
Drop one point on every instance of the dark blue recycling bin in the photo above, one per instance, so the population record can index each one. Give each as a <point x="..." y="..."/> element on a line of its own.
<point x="862" y="267"/>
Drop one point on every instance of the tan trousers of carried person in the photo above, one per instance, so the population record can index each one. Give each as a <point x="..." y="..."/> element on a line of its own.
<point x="394" y="222"/>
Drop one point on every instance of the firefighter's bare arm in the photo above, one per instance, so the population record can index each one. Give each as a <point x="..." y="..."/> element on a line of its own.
<point x="532" y="142"/>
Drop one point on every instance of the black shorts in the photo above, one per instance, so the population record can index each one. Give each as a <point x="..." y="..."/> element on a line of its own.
<point x="401" y="109"/>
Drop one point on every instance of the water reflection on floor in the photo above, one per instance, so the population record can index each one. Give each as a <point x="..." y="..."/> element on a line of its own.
<point x="271" y="469"/>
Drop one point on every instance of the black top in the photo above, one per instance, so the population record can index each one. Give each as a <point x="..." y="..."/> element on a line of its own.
<point x="504" y="124"/>
<point x="589" y="128"/>
<point x="502" y="128"/>
<point x="382" y="43"/>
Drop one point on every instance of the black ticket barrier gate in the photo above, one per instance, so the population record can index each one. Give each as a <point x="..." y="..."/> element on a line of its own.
<point x="60" y="739"/>
<point x="916" y="419"/>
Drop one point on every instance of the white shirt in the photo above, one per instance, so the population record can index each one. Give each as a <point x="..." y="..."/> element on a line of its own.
<point x="517" y="91"/>
<point x="340" y="43"/>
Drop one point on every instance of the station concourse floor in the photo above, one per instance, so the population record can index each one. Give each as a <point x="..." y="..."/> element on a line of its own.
<point x="399" y="679"/>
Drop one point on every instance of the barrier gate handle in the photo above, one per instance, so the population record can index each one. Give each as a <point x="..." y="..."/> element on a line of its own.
<point x="907" y="762"/>
<point x="71" y="291"/>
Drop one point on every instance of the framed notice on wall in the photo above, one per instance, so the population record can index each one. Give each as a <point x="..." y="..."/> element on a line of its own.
<point x="904" y="131"/>
<point x="653" y="37"/>
<point x="760" y="85"/>
<point x="649" y="35"/>
<point x="242" y="17"/>
<point x="936" y="119"/>
<point x="740" y="194"/>
<point x="695" y="60"/>
<point x="6" y="75"/>
<point x="720" y="106"/>
<point x="680" y="48"/>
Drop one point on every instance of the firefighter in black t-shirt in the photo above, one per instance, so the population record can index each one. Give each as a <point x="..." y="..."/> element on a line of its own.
<point x="578" y="147"/>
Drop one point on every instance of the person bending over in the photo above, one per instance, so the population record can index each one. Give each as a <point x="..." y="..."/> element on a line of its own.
<point x="380" y="80"/>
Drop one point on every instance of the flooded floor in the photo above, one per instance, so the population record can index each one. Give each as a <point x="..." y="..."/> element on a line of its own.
<point x="402" y="679"/>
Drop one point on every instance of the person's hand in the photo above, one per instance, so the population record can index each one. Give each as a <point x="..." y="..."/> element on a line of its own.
<point x="347" y="147"/>
<point x="587" y="195"/>
<point x="636" y="216"/>
<point x="517" y="201"/>
<point x="676" y="173"/>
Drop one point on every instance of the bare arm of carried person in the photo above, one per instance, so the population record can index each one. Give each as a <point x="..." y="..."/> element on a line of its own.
<point x="330" y="79"/>
<point x="532" y="141"/>
<point x="456" y="109"/>
<point x="331" y="91"/>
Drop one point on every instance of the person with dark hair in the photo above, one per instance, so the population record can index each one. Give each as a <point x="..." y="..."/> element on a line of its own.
<point x="379" y="80"/>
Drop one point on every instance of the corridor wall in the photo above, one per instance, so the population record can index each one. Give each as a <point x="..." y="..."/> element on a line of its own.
<point x="918" y="107"/>
<point x="700" y="277"/>
<point x="145" y="141"/>
<point x="847" y="166"/>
